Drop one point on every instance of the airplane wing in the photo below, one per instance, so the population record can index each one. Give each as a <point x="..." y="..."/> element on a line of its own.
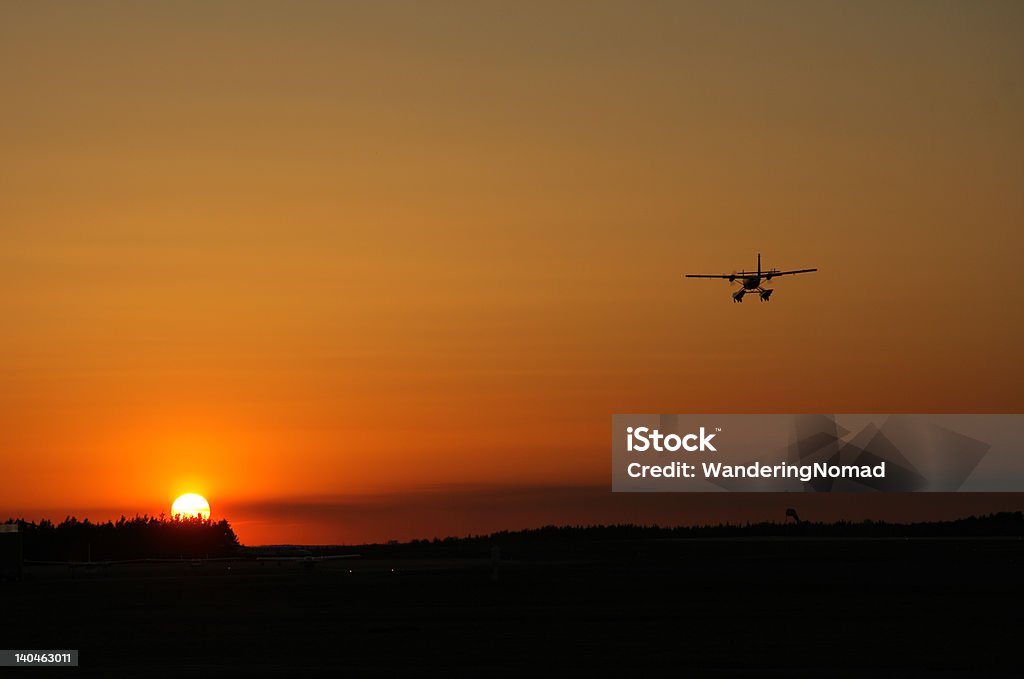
<point x="307" y="558"/>
<point x="775" y="274"/>
<point x="77" y="564"/>
<point x="745" y="274"/>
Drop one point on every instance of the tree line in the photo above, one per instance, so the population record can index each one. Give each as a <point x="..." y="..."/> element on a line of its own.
<point x="139" y="537"/>
<point x="599" y="539"/>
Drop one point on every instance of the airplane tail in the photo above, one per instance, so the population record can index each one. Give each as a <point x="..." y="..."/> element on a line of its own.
<point x="759" y="265"/>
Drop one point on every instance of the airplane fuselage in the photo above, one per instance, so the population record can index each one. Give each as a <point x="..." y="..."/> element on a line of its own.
<point x="752" y="283"/>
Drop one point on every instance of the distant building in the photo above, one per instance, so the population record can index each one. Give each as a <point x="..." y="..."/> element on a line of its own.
<point x="10" y="552"/>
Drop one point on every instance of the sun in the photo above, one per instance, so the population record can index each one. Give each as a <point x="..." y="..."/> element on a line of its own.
<point x="191" y="505"/>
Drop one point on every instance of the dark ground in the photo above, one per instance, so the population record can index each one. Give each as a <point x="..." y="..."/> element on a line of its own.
<point x="787" y="607"/>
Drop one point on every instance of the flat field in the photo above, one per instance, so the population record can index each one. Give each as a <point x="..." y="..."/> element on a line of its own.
<point x="788" y="607"/>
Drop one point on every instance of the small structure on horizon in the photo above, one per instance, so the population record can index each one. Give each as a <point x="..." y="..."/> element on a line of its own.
<point x="11" y="556"/>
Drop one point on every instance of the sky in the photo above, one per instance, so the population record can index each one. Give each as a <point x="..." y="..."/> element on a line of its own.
<point x="365" y="271"/>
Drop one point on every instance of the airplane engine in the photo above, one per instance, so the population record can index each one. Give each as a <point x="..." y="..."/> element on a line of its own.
<point x="738" y="295"/>
<point x="766" y="295"/>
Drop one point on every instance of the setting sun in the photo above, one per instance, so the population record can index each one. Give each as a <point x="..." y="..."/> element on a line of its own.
<point x="191" y="505"/>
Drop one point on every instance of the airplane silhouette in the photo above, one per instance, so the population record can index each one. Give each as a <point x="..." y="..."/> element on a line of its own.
<point x="750" y="281"/>
<point x="307" y="561"/>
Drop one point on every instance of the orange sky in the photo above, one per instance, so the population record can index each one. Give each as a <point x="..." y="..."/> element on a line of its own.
<point x="297" y="254"/>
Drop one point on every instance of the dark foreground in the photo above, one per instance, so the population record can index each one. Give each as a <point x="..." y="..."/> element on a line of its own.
<point x="787" y="607"/>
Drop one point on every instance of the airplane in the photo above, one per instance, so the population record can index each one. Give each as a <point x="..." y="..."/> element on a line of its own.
<point x="292" y="553"/>
<point x="306" y="560"/>
<point x="750" y="281"/>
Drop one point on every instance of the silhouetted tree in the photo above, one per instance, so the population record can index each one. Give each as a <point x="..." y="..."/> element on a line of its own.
<point x="136" y="538"/>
